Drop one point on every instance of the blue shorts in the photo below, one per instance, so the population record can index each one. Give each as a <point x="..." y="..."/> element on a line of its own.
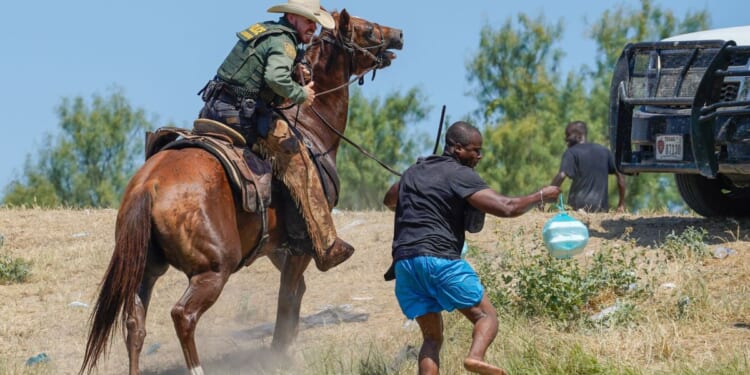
<point x="428" y="284"/>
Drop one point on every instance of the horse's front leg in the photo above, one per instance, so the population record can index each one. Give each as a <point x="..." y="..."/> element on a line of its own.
<point x="291" y="290"/>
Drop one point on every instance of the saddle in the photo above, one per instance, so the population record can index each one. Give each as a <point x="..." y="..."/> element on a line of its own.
<point x="248" y="174"/>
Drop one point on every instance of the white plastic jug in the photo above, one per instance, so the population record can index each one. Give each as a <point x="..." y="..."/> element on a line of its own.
<point x="564" y="236"/>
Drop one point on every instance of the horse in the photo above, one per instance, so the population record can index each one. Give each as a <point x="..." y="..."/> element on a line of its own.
<point x="179" y="210"/>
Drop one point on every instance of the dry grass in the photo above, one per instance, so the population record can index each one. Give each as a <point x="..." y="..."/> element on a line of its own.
<point x="70" y="250"/>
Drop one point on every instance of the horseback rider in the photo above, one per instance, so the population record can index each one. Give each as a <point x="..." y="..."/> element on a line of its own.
<point x="255" y="78"/>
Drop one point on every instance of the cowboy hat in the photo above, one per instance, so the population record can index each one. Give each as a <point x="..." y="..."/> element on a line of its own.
<point x="309" y="9"/>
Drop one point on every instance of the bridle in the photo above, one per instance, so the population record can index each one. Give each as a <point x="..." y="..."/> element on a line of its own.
<point x="379" y="61"/>
<point x="348" y="45"/>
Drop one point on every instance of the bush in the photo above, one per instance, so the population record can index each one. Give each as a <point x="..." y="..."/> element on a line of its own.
<point x="688" y="245"/>
<point x="13" y="270"/>
<point x="560" y="289"/>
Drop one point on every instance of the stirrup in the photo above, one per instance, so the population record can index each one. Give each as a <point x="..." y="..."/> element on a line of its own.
<point x="205" y="125"/>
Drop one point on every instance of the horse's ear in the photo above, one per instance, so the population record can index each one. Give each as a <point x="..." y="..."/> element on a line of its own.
<point x="344" y="20"/>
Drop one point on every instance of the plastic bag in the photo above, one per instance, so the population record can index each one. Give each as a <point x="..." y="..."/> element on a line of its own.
<point x="563" y="235"/>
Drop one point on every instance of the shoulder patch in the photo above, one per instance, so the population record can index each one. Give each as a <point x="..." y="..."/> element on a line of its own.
<point x="252" y="32"/>
<point x="290" y="50"/>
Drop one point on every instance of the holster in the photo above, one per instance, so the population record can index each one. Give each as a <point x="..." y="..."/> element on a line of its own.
<point x="211" y="90"/>
<point x="249" y="115"/>
<point x="263" y="117"/>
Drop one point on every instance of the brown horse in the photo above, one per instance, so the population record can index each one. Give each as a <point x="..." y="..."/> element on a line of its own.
<point x="179" y="210"/>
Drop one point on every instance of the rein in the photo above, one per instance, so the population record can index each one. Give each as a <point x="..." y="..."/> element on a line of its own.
<point x="358" y="78"/>
<point x="355" y="145"/>
<point x="352" y="48"/>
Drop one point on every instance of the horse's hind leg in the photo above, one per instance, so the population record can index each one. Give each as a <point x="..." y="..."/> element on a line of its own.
<point x="136" y="323"/>
<point x="291" y="291"/>
<point x="202" y="292"/>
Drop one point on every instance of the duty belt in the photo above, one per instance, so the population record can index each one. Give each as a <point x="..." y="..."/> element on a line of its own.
<point x="240" y="92"/>
<point x="218" y="87"/>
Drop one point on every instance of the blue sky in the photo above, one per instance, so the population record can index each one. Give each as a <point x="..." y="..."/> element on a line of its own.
<point x="161" y="52"/>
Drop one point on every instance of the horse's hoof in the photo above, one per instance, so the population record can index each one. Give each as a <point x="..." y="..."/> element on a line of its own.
<point x="335" y="255"/>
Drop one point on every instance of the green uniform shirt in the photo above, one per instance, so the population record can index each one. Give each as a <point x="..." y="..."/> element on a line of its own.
<point x="262" y="60"/>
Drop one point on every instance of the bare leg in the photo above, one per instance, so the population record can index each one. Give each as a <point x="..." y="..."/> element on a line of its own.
<point x="431" y="325"/>
<point x="291" y="290"/>
<point x="201" y="294"/>
<point x="484" y="318"/>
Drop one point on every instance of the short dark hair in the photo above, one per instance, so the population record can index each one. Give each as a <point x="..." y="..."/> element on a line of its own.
<point x="460" y="132"/>
<point x="578" y="127"/>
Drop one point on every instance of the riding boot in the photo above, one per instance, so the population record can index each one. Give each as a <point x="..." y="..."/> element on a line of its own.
<point x="292" y="164"/>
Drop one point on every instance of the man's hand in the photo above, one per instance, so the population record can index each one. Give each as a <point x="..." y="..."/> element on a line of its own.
<point x="310" y="94"/>
<point x="302" y="73"/>
<point x="549" y="194"/>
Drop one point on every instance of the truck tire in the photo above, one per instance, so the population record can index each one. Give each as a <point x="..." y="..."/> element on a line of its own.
<point x="712" y="197"/>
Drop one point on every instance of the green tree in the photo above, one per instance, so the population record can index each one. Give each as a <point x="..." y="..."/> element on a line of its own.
<point x="380" y="127"/>
<point x="90" y="161"/>
<point x="515" y="70"/>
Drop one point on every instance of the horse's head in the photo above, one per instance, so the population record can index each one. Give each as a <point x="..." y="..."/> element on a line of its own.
<point x="352" y="48"/>
<point x="366" y="44"/>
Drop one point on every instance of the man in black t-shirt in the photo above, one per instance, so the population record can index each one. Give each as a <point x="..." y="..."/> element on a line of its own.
<point x="588" y="165"/>
<point x="435" y="201"/>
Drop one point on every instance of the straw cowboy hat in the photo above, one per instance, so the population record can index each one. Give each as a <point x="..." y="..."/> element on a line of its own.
<point x="309" y="9"/>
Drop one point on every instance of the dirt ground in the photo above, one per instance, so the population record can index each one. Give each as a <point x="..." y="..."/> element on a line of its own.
<point x="70" y="250"/>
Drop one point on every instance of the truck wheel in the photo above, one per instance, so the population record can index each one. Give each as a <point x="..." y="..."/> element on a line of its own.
<point x="713" y="197"/>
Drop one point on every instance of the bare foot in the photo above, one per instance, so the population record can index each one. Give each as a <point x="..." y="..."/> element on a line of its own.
<point x="484" y="368"/>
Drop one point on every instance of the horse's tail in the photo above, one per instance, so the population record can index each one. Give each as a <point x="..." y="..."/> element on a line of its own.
<point x="123" y="277"/>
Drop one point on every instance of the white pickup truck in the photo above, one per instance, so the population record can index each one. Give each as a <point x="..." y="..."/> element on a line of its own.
<point x="682" y="106"/>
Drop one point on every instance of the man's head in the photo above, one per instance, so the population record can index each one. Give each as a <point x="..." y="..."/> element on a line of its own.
<point x="575" y="133"/>
<point x="464" y="142"/>
<point x="304" y="15"/>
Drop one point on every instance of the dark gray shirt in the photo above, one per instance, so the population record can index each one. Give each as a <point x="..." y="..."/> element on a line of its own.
<point x="431" y="208"/>
<point x="588" y="165"/>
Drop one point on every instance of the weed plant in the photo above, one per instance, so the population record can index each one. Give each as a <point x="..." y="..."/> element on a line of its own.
<point x="13" y="270"/>
<point x="561" y="290"/>
<point x="688" y="245"/>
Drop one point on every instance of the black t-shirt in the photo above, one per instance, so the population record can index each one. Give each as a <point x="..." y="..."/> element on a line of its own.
<point x="588" y="166"/>
<point x="431" y="207"/>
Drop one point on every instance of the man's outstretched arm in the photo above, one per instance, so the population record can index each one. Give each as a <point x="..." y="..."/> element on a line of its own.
<point x="493" y="203"/>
